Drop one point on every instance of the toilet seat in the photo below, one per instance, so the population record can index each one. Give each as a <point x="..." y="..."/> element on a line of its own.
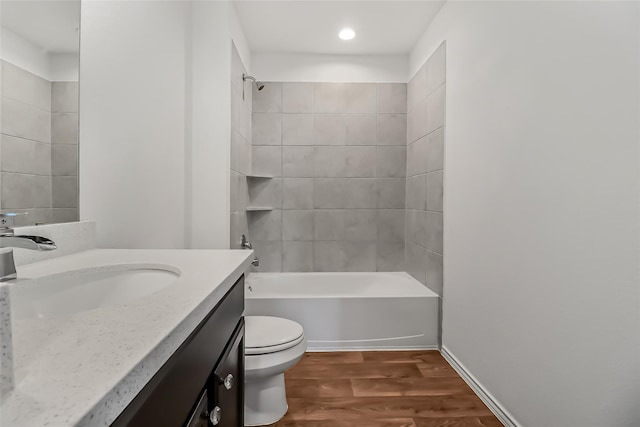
<point x="272" y="349"/>
<point x="266" y="334"/>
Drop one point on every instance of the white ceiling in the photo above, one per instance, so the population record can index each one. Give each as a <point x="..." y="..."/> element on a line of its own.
<point x="49" y="24"/>
<point x="312" y="26"/>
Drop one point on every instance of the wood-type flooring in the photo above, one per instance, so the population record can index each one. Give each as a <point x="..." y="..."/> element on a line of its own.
<point x="381" y="389"/>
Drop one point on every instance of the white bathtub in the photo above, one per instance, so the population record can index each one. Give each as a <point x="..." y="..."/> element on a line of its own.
<point x="349" y="311"/>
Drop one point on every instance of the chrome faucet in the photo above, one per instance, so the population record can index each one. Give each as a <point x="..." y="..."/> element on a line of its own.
<point x="9" y="240"/>
<point x="245" y="244"/>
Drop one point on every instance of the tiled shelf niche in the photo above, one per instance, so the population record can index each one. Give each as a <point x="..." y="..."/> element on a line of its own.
<point x="256" y="178"/>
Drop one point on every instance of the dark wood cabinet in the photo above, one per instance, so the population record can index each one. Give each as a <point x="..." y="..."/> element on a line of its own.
<point x="200" y="416"/>
<point x="226" y="387"/>
<point x="206" y="372"/>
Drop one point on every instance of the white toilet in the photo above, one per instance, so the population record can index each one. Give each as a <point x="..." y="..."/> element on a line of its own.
<point x="272" y="345"/>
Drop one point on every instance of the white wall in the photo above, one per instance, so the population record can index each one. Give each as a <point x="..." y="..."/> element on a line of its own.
<point x="132" y="129"/>
<point x="329" y="68"/>
<point x="239" y="39"/>
<point x="211" y="124"/>
<point x="542" y="220"/>
<point x="155" y="122"/>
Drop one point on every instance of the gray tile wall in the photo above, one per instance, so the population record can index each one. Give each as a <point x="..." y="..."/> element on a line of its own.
<point x="425" y="167"/>
<point x="25" y="146"/>
<point x="38" y="147"/>
<point x="337" y="152"/>
<point x="240" y="149"/>
<point x="64" y="151"/>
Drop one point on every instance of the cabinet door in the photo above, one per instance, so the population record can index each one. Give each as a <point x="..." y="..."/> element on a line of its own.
<point x="200" y="416"/>
<point x="227" y="383"/>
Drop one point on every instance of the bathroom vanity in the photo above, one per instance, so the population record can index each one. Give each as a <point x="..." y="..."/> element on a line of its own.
<point x="203" y="380"/>
<point x="170" y="353"/>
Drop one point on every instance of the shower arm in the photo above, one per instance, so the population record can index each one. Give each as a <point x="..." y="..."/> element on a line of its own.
<point x="245" y="77"/>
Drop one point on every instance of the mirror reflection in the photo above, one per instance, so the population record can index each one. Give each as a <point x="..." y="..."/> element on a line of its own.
<point x="39" y="53"/>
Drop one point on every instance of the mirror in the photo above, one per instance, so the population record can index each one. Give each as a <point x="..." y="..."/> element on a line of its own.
<point x="39" y="53"/>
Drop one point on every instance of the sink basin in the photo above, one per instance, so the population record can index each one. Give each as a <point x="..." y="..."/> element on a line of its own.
<point x="87" y="289"/>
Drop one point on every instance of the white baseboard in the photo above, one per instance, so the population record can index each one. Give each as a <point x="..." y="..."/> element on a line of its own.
<point x="320" y="349"/>
<point x="495" y="407"/>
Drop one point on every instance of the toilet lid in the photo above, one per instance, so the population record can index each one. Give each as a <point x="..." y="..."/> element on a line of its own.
<point x="266" y="334"/>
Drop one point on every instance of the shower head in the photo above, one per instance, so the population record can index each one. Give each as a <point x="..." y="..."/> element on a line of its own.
<point x="258" y="84"/>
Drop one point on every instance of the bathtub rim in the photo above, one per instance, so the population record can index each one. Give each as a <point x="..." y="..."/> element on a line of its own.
<point x="421" y="290"/>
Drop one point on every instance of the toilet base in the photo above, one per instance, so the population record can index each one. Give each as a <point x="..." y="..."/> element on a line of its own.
<point x="265" y="400"/>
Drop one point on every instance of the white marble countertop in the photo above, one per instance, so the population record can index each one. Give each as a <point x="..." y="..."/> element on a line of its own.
<point x="83" y="369"/>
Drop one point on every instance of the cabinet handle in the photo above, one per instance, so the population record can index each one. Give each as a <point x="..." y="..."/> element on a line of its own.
<point x="215" y="416"/>
<point x="228" y="382"/>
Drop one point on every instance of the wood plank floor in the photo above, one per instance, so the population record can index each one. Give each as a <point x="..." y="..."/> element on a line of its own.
<point x="381" y="389"/>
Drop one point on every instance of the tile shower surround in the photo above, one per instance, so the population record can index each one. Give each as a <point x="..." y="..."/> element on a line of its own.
<point x="425" y="172"/>
<point x="337" y="152"/>
<point x="39" y="147"/>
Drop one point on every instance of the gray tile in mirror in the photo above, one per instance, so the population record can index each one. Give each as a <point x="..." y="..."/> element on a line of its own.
<point x="64" y="191"/>
<point x="25" y="121"/>
<point x="23" y="86"/>
<point x="39" y="126"/>
<point x="64" y="97"/>
<point x="64" y="128"/>
<point x="20" y="191"/>
<point x="25" y="156"/>
<point x="64" y="160"/>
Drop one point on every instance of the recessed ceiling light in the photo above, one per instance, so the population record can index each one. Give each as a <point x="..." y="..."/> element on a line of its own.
<point x="347" y="34"/>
